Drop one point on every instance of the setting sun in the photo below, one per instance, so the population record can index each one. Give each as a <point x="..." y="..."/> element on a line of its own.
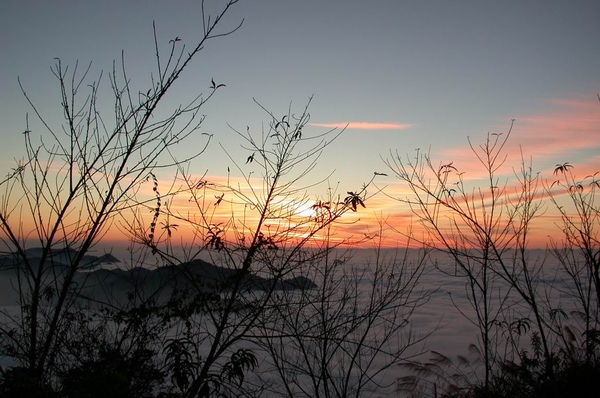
<point x="236" y="198"/>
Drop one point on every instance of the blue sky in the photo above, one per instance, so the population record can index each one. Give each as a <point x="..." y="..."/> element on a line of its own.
<point x="440" y="70"/>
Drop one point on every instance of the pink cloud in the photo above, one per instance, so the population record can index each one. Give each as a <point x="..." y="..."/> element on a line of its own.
<point x="558" y="133"/>
<point x="569" y="125"/>
<point x="365" y="125"/>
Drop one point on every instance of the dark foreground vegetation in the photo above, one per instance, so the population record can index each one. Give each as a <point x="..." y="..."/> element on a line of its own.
<point x="264" y="300"/>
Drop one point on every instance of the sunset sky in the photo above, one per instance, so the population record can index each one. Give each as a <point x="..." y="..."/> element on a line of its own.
<point x="401" y="74"/>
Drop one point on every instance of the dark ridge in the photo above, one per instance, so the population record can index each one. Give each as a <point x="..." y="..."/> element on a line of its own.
<point x="197" y="274"/>
<point x="58" y="259"/>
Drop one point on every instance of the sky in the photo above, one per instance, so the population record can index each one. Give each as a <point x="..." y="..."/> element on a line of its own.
<point x="400" y="74"/>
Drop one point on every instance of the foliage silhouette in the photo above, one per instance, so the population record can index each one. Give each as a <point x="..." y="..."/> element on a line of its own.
<point x="78" y="180"/>
<point x="485" y="229"/>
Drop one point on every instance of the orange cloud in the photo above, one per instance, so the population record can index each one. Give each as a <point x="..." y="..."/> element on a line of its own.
<point x="365" y="125"/>
<point x="565" y="131"/>
<point x="560" y="131"/>
<point x="395" y="205"/>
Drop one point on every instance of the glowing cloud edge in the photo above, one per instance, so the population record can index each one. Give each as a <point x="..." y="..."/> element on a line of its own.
<point x="365" y="125"/>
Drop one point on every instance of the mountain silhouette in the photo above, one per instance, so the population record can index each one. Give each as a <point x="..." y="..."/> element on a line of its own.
<point x="197" y="274"/>
<point x="102" y="284"/>
<point x="57" y="259"/>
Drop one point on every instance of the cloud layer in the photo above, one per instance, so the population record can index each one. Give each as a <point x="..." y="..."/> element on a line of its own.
<point x="365" y="125"/>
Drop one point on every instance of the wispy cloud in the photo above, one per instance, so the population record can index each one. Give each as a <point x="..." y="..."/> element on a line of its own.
<point x="365" y="125"/>
<point x="568" y="126"/>
<point x="565" y="130"/>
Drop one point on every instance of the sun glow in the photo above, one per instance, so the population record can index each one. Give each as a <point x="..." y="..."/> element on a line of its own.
<point x="305" y="209"/>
